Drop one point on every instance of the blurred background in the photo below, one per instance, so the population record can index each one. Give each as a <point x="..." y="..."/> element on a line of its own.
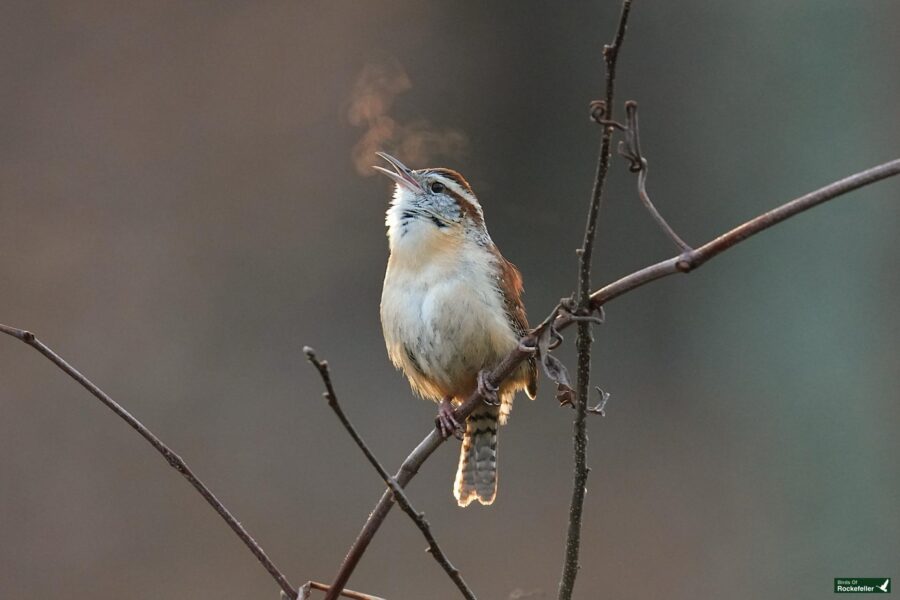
<point x="182" y="209"/>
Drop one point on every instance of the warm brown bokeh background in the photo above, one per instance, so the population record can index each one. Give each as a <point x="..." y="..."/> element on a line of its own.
<point x="180" y="213"/>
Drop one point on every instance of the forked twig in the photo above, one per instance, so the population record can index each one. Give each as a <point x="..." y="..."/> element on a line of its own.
<point x="420" y="454"/>
<point x="688" y="261"/>
<point x="399" y="495"/>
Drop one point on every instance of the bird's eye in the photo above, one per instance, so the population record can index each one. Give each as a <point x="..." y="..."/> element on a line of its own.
<point x="437" y="187"/>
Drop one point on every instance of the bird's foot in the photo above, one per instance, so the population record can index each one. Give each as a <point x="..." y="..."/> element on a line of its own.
<point x="446" y="421"/>
<point x="487" y="389"/>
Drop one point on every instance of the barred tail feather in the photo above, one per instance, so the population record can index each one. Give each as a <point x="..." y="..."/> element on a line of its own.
<point x="476" y="477"/>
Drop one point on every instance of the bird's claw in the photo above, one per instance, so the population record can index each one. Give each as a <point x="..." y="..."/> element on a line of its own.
<point x="446" y="421"/>
<point x="487" y="389"/>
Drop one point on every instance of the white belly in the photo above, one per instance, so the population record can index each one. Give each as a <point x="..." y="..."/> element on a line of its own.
<point x="443" y="321"/>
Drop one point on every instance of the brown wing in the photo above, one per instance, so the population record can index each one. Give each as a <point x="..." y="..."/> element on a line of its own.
<point x="511" y="288"/>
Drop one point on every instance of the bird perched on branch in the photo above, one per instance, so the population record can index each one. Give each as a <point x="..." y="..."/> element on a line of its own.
<point x="451" y="309"/>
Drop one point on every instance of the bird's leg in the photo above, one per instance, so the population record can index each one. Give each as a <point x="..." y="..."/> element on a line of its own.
<point x="446" y="420"/>
<point x="487" y="389"/>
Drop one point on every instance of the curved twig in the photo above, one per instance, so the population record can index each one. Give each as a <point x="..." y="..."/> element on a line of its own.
<point x="631" y="149"/>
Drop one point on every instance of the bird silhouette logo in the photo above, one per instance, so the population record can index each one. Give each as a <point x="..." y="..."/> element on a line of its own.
<point x="886" y="586"/>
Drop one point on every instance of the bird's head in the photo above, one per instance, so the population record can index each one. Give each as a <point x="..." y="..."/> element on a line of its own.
<point x="431" y="205"/>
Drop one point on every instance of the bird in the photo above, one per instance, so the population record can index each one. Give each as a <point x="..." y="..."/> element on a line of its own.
<point x="884" y="586"/>
<point x="451" y="309"/>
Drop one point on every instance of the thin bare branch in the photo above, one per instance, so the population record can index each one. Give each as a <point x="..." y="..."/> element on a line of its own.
<point x="322" y="587"/>
<point x="688" y="261"/>
<point x="399" y="496"/>
<point x="631" y="149"/>
<point x="175" y="461"/>
<point x="604" y="108"/>
<point x="600" y="297"/>
<point x="584" y="338"/>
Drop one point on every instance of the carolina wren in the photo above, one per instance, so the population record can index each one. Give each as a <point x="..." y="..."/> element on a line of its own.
<point x="451" y="308"/>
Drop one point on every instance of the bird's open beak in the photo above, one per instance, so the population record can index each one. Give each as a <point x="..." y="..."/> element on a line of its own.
<point x="401" y="174"/>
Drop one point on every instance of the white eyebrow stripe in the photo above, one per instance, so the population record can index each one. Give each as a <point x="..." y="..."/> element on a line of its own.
<point x="458" y="190"/>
